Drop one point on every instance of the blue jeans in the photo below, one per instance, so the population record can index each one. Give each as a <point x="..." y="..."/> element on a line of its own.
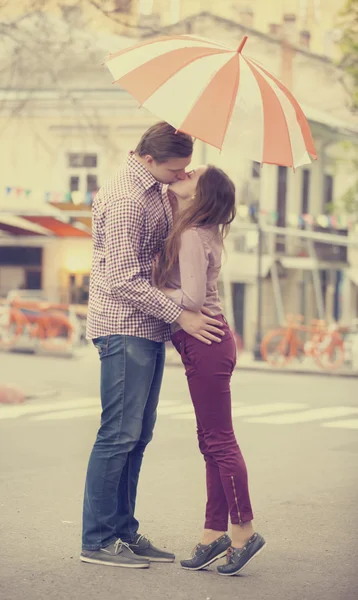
<point x="131" y="376"/>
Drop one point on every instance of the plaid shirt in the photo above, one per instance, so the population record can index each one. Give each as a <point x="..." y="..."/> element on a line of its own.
<point x="131" y="218"/>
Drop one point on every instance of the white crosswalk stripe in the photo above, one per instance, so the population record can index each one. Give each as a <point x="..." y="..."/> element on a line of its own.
<point x="343" y="424"/>
<point x="274" y="413"/>
<point x="241" y="411"/>
<point x="307" y="416"/>
<point x="68" y="414"/>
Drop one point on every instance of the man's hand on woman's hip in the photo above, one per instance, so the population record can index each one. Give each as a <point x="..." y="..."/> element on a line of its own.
<point x="201" y="325"/>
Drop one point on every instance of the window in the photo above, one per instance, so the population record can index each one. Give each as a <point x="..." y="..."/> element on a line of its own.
<point x="74" y="184"/>
<point x="82" y="160"/>
<point x="92" y="185"/>
<point x="305" y="195"/>
<point x="281" y="196"/>
<point x="123" y="6"/>
<point x="256" y="170"/>
<point x="19" y="256"/>
<point x="82" y="175"/>
<point x="327" y="192"/>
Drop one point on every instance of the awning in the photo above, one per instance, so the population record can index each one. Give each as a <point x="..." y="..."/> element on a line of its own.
<point x="342" y="126"/>
<point x="59" y="227"/>
<point x="82" y="214"/>
<point x="19" y="226"/>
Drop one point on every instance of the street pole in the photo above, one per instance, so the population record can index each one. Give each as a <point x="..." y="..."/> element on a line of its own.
<point x="258" y="339"/>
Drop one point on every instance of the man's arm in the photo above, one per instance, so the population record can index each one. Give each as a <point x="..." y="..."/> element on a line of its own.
<point x="124" y="226"/>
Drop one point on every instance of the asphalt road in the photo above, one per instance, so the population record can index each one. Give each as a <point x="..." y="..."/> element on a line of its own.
<point x="299" y="436"/>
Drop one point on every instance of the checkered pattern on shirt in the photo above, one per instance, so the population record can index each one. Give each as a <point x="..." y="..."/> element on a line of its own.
<point x="131" y="218"/>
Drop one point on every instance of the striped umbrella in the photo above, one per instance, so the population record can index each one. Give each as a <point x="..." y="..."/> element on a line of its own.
<point x="217" y="95"/>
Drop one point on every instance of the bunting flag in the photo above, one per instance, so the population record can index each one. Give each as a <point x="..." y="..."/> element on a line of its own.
<point x="343" y="221"/>
<point x="245" y="212"/>
<point x="53" y="197"/>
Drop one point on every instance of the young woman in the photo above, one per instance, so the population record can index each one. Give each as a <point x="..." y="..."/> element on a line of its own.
<point x="187" y="271"/>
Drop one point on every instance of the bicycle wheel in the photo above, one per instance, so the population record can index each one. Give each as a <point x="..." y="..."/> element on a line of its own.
<point x="276" y="348"/>
<point x="328" y="351"/>
<point x="13" y="329"/>
<point x="238" y="342"/>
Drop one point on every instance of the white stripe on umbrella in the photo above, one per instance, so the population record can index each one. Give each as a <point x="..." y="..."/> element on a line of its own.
<point x="246" y="125"/>
<point x="277" y="144"/>
<point x="142" y="55"/>
<point x="301" y="119"/>
<point x="158" y="71"/>
<point x="183" y="41"/>
<point x="181" y="91"/>
<point x="300" y="154"/>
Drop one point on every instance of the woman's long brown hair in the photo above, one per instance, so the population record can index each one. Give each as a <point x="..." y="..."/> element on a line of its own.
<point x="213" y="204"/>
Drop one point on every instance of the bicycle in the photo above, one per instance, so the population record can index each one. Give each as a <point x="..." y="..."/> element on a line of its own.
<point x="325" y="346"/>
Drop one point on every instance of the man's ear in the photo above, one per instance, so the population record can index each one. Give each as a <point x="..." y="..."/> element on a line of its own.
<point x="149" y="159"/>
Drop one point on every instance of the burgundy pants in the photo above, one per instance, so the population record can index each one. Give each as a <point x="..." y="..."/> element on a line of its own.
<point x="209" y="370"/>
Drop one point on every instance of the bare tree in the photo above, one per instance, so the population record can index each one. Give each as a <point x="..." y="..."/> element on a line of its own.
<point x="53" y="46"/>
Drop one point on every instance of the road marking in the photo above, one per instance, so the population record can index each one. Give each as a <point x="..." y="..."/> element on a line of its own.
<point x="306" y="416"/>
<point x="286" y="413"/>
<point x="344" y="424"/>
<point x="68" y="414"/>
<point x="175" y="409"/>
<point x="13" y="412"/>
<point x="262" y="409"/>
<point x="240" y="411"/>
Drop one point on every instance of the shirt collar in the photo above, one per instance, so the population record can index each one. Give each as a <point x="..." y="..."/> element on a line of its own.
<point x="146" y="178"/>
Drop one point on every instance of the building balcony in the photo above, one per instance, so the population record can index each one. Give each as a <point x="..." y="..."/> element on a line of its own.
<point x="274" y="244"/>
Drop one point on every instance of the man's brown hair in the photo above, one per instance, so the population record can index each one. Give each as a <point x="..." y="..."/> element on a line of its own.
<point x="162" y="142"/>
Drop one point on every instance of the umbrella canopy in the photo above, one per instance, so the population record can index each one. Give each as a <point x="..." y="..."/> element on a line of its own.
<point x="218" y="95"/>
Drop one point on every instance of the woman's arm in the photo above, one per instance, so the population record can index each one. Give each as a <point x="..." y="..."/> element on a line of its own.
<point x="193" y="264"/>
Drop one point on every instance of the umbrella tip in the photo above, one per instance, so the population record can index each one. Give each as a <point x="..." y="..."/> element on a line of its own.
<point x="242" y="44"/>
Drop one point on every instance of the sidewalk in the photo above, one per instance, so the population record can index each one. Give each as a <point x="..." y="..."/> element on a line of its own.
<point x="246" y="362"/>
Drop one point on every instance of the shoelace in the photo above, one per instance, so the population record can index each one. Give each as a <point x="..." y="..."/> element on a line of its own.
<point x="118" y="545"/>
<point x="143" y="537"/>
<point x="229" y="555"/>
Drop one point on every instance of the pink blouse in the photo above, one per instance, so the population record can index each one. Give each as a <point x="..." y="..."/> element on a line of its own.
<point x="194" y="278"/>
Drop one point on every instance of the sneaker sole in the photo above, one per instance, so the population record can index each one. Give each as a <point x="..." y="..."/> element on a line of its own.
<point x="245" y="565"/>
<point x="212" y="560"/>
<point x="95" y="561"/>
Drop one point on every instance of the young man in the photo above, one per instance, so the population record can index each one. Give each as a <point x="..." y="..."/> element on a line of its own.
<point x="128" y="321"/>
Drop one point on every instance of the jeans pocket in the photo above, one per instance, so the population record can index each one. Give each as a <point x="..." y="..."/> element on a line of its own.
<point x="101" y="345"/>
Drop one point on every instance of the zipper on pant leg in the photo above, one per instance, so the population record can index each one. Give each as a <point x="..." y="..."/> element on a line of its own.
<point x="236" y="501"/>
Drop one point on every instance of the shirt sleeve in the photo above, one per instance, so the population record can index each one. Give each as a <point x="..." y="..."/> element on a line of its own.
<point x="193" y="265"/>
<point x="124" y="226"/>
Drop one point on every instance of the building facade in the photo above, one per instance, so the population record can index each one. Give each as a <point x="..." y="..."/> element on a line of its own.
<point x="61" y="140"/>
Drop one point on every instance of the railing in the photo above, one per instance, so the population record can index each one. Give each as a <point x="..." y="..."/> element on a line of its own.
<point x="246" y="240"/>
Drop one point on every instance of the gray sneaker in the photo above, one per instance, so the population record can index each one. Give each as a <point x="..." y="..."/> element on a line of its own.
<point x="144" y="548"/>
<point x="117" y="554"/>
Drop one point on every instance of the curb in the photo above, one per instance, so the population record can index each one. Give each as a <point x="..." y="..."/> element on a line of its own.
<point x="261" y="369"/>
